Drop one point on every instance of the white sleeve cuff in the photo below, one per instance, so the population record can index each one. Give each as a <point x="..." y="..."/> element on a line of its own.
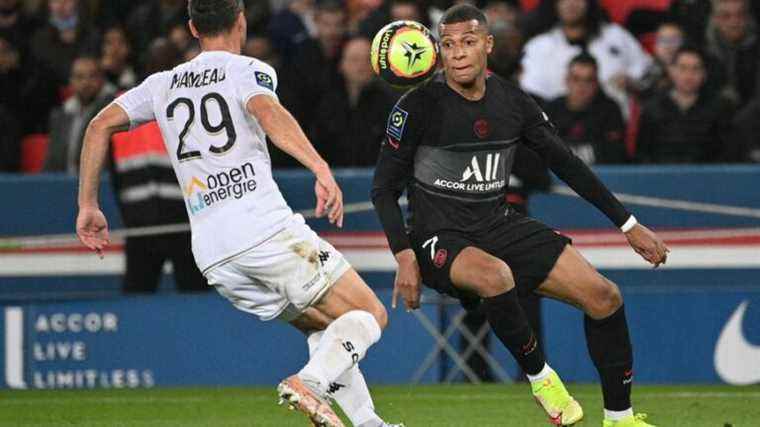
<point x="628" y="224"/>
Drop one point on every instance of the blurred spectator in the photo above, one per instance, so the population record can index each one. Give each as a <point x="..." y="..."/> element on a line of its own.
<point x="68" y="123"/>
<point x="292" y="26"/>
<point x="586" y="119"/>
<point x="394" y="10"/>
<point x="260" y="47"/>
<point x="668" y="39"/>
<point x="179" y="35"/>
<point x="313" y="70"/>
<point x="692" y="16"/>
<point x="115" y="61"/>
<point x="27" y="91"/>
<point x="407" y="10"/>
<point x="732" y="38"/>
<point x="747" y="124"/>
<point x="114" y="12"/>
<point x="257" y="14"/>
<point x="10" y="141"/>
<point x="65" y="36"/>
<point x="161" y="55"/>
<point x="154" y="19"/>
<point x="501" y="11"/>
<point x="359" y="11"/>
<point x="15" y="26"/>
<point x="580" y="26"/>
<point x="350" y="121"/>
<point x="540" y="19"/>
<point x="504" y="59"/>
<point x="684" y="125"/>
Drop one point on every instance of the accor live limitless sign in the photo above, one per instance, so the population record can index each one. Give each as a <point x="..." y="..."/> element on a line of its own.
<point x="59" y="349"/>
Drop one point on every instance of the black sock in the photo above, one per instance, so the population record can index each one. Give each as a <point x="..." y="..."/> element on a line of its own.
<point x="510" y="324"/>
<point x="610" y="348"/>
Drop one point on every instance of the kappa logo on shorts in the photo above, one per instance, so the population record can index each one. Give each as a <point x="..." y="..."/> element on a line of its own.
<point x="335" y="387"/>
<point x="323" y="257"/>
<point x="264" y="80"/>
<point x="396" y="123"/>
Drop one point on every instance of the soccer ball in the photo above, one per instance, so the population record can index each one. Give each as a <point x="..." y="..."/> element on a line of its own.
<point x="404" y="53"/>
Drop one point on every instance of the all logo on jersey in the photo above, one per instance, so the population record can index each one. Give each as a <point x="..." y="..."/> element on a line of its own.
<point x="264" y="80"/>
<point x="397" y="122"/>
<point x="233" y="183"/>
<point x="474" y="170"/>
<point x="480" y="176"/>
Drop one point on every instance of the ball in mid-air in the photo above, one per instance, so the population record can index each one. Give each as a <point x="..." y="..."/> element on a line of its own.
<point x="404" y="53"/>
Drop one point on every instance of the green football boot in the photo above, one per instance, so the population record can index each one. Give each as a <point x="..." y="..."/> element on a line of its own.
<point x="632" y="421"/>
<point x="553" y="397"/>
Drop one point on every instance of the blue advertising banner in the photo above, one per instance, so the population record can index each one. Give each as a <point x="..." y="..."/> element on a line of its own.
<point x="684" y="330"/>
<point x="174" y="340"/>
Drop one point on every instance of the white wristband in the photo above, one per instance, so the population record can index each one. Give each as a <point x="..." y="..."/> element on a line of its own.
<point x="628" y="224"/>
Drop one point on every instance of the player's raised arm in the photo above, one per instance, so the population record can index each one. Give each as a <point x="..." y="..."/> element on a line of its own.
<point x="287" y="134"/>
<point x="540" y="135"/>
<point x="92" y="227"/>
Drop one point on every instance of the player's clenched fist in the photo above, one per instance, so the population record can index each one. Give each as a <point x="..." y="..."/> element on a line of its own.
<point x="647" y="244"/>
<point x="408" y="280"/>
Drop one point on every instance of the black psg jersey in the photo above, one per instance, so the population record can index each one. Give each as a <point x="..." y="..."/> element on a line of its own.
<point x="454" y="157"/>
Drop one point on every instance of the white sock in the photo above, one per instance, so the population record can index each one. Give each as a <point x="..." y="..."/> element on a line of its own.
<point x="343" y="344"/>
<point x="350" y="391"/>
<point x="545" y="371"/>
<point x="617" y="415"/>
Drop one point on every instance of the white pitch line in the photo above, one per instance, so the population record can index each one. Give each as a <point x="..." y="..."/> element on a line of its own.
<point x="464" y="396"/>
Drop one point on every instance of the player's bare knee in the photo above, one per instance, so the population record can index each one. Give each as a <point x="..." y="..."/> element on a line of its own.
<point x="496" y="278"/>
<point x="381" y="315"/>
<point x="606" y="299"/>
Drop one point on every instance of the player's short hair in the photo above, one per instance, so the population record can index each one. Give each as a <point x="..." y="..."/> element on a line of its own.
<point x="463" y="13"/>
<point x="213" y="17"/>
<point x="584" y="58"/>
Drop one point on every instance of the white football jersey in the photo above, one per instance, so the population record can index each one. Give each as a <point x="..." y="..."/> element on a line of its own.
<point x="217" y="149"/>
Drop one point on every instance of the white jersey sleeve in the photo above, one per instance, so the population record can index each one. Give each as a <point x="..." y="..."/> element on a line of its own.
<point x="138" y="101"/>
<point x="255" y="78"/>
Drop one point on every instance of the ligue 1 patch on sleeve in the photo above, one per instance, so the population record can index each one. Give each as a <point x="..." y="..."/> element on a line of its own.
<point x="264" y="80"/>
<point x="397" y="122"/>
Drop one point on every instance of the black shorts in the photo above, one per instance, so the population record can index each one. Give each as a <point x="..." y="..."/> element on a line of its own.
<point x="529" y="248"/>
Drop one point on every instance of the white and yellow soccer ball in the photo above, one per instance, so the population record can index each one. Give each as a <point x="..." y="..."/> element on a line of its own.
<point x="404" y="53"/>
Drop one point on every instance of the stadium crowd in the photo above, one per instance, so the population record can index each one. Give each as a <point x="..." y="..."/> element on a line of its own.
<point x="648" y="81"/>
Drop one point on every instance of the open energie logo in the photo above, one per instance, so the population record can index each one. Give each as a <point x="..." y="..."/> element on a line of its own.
<point x="214" y="188"/>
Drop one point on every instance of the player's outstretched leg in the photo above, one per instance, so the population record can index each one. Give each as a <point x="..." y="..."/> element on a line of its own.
<point x="350" y="392"/>
<point x="359" y="320"/>
<point x="575" y="281"/>
<point x="476" y="271"/>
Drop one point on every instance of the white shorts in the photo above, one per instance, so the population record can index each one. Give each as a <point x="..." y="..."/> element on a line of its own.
<point x="282" y="276"/>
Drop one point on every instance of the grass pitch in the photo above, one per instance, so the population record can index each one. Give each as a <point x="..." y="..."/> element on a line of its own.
<point x="417" y="406"/>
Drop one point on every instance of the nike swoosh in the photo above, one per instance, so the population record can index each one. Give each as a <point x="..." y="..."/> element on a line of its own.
<point x="737" y="361"/>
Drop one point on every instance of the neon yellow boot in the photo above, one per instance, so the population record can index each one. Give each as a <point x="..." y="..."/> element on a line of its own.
<point x="553" y="397"/>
